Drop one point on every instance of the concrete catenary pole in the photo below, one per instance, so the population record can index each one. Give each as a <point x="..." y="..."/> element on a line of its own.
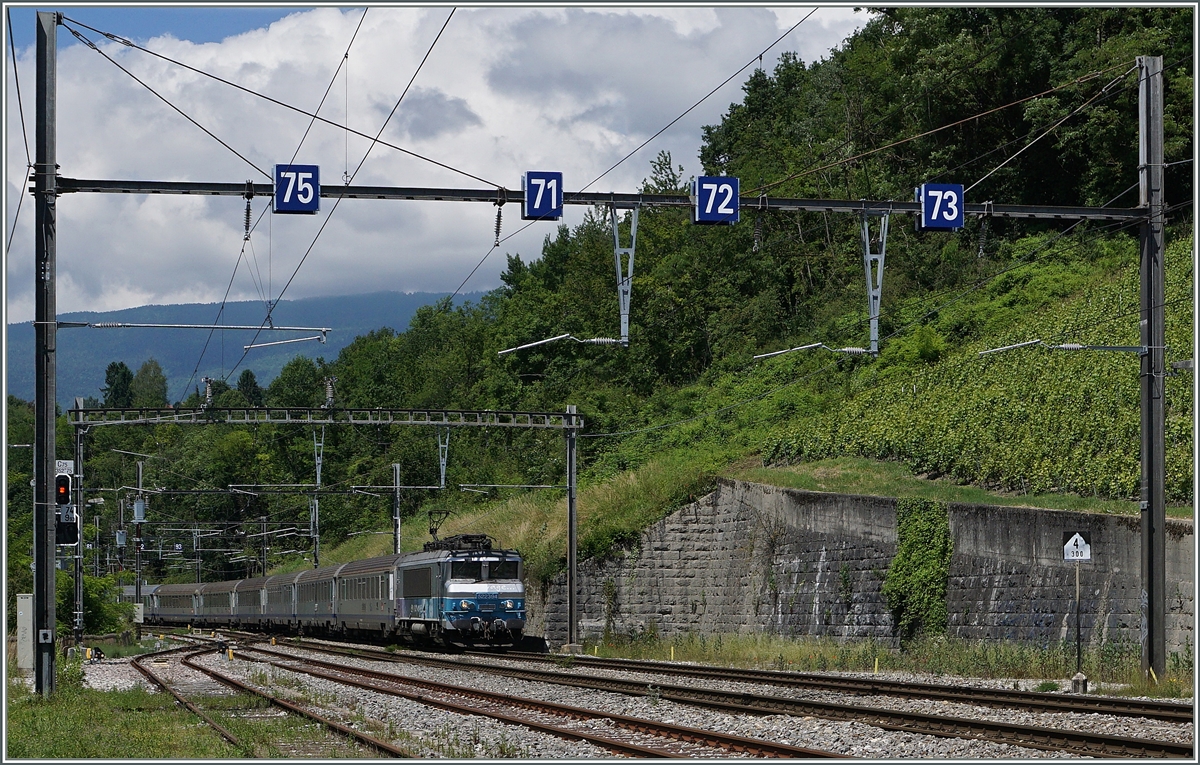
<point x="45" y="343"/>
<point x="1153" y="367"/>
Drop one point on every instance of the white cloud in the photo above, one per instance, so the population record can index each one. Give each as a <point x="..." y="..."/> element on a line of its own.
<point x="505" y="90"/>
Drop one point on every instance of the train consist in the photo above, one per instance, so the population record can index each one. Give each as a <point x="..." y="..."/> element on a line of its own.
<point x="458" y="592"/>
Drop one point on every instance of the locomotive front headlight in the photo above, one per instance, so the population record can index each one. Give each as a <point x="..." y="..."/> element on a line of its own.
<point x="465" y="605"/>
<point x="508" y="604"/>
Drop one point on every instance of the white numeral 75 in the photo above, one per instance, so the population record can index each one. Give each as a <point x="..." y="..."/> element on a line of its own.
<point x="307" y="190"/>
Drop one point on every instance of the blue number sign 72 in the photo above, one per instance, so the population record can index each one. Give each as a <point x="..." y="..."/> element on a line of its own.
<point x="716" y="199"/>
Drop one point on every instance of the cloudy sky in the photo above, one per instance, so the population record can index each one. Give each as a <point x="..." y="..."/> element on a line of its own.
<point x="504" y="90"/>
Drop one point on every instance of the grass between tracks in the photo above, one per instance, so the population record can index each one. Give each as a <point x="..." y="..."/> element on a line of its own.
<point x="81" y="723"/>
<point x="77" y="722"/>
<point x="1115" y="666"/>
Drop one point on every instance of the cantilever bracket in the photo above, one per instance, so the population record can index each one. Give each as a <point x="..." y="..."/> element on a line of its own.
<point x="873" y="265"/>
<point x="624" y="278"/>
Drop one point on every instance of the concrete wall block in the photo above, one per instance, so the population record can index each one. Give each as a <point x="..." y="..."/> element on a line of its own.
<point x="760" y="558"/>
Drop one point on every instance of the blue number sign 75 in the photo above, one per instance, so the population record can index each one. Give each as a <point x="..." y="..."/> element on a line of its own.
<point x="297" y="188"/>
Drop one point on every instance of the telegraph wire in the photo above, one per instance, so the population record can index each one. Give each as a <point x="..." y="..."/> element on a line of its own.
<point x="339" y="199"/>
<point x="277" y="102"/>
<point x="757" y="58"/>
<point x="82" y="38"/>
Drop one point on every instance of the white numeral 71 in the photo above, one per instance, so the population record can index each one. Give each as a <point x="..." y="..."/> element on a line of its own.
<point x="543" y="184"/>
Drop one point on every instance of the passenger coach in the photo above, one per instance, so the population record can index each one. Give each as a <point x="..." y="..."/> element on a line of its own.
<point x="456" y="592"/>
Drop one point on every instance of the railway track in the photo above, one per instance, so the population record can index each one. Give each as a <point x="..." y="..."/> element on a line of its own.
<point x="187" y="655"/>
<point x="333" y="725"/>
<point x="1037" y="737"/>
<point x="154" y="678"/>
<point x="620" y="734"/>
<point x="995" y="697"/>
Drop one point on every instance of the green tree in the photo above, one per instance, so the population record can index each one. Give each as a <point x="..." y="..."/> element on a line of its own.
<point x="298" y="384"/>
<point x="248" y="386"/>
<point x="118" y="380"/>
<point x="149" y="385"/>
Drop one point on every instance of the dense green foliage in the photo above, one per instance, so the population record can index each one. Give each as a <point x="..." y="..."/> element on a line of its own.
<point x="986" y="420"/>
<point x="915" y="585"/>
<point x="686" y="399"/>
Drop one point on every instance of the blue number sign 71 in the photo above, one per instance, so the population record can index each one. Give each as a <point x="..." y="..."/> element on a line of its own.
<point x="543" y="195"/>
<point x="716" y="200"/>
<point x="941" y="206"/>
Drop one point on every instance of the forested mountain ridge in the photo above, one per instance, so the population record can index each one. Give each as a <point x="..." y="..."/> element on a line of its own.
<point x="686" y="393"/>
<point x="83" y="354"/>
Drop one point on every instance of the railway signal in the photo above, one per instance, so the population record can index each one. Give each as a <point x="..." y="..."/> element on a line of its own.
<point x="62" y="489"/>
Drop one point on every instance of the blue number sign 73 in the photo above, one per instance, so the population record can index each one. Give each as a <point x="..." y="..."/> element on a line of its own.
<point x="716" y="199"/>
<point x="941" y="205"/>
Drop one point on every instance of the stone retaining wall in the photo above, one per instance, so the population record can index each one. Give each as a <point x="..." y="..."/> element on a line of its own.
<point x="754" y="558"/>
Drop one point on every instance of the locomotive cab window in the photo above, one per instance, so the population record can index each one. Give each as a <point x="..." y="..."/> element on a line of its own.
<point x="466" y="569"/>
<point x="503" y="569"/>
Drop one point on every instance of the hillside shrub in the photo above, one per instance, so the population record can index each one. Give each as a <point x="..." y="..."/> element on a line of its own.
<point x="915" y="585"/>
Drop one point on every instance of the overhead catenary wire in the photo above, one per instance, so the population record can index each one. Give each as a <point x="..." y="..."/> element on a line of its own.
<point x="299" y="145"/>
<point x="809" y="171"/>
<point x="83" y="38"/>
<point x="339" y="199"/>
<point x="1052" y="128"/>
<point x="129" y="43"/>
<point x="757" y="57"/>
<point x="24" y="132"/>
<point x="833" y="364"/>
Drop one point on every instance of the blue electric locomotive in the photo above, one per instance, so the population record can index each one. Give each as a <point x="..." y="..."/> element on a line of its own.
<point x="457" y="592"/>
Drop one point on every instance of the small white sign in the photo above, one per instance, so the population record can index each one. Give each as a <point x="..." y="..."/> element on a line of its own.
<point x="1076" y="546"/>
<point x="137" y="613"/>
<point x="64" y="466"/>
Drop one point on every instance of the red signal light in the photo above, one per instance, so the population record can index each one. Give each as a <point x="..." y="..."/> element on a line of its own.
<point x="62" y="489"/>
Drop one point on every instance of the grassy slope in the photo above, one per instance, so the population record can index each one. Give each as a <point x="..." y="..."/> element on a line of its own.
<point x="1029" y="427"/>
